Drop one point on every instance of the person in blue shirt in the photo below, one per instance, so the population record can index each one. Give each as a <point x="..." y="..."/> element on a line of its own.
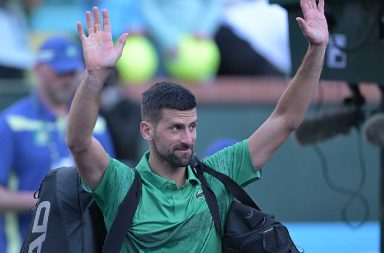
<point x="32" y="131"/>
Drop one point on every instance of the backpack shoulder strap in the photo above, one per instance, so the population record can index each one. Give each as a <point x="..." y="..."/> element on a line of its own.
<point x="124" y="216"/>
<point x="237" y="191"/>
<point x="210" y="197"/>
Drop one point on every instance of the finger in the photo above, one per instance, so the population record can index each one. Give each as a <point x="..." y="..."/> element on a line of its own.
<point x="121" y="42"/>
<point x="96" y="19"/>
<point x="304" y="4"/>
<point x="106" y="23"/>
<point x="89" y="22"/>
<point x="80" y="31"/>
<point x="321" y="6"/>
<point x="312" y="4"/>
<point x="308" y="4"/>
<point x="302" y="24"/>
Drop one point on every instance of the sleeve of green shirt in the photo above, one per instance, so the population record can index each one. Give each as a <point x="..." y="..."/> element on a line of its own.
<point x="235" y="161"/>
<point x="114" y="186"/>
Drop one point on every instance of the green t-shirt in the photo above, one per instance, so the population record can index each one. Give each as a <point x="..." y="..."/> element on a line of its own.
<point x="169" y="219"/>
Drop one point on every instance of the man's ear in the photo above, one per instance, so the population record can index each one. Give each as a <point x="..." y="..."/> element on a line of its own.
<point x="146" y="129"/>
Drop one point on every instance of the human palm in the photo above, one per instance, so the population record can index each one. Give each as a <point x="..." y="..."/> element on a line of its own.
<point x="98" y="47"/>
<point x="314" y="25"/>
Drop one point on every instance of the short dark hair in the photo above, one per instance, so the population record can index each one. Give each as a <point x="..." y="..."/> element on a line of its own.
<point x="165" y="95"/>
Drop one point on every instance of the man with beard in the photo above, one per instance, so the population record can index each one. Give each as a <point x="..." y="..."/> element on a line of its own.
<point x="32" y="131"/>
<point x="172" y="215"/>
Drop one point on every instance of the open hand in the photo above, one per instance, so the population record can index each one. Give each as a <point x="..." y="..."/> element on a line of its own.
<point x="314" y="25"/>
<point x="99" y="51"/>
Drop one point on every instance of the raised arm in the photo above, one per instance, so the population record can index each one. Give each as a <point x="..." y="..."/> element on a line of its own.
<point x="296" y="99"/>
<point x="100" y="55"/>
<point x="15" y="201"/>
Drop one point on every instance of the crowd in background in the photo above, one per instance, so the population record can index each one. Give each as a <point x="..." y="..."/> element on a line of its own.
<point x="226" y="37"/>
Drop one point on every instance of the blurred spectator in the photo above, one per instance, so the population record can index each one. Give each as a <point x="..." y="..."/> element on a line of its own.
<point x="56" y="16"/>
<point x="123" y="118"/>
<point x="15" y="53"/>
<point x="253" y="39"/>
<point x="32" y="131"/>
<point x="169" y="22"/>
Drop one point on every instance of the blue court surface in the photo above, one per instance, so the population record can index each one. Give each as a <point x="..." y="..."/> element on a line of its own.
<point x="335" y="237"/>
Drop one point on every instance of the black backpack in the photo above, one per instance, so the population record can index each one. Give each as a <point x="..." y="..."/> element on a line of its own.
<point x="66" y="219"/>
<point x="247" y="227"/>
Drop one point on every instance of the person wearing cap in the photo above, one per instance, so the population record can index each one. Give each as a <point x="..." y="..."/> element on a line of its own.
<point x="32" y="131"/>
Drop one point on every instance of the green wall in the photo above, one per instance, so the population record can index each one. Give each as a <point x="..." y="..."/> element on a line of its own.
<point x="293" y="185"/>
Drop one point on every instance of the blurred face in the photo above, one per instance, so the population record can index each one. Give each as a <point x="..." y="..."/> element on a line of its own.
<point x="55" y="88"/>
<point x="174" y="136"/>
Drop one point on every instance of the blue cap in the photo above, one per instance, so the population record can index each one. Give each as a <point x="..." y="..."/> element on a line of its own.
<point x="61" y="54"/>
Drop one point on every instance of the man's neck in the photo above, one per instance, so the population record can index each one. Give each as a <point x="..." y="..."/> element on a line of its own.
<point x="58" y="109"/>
<point x="164" y="169"/>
